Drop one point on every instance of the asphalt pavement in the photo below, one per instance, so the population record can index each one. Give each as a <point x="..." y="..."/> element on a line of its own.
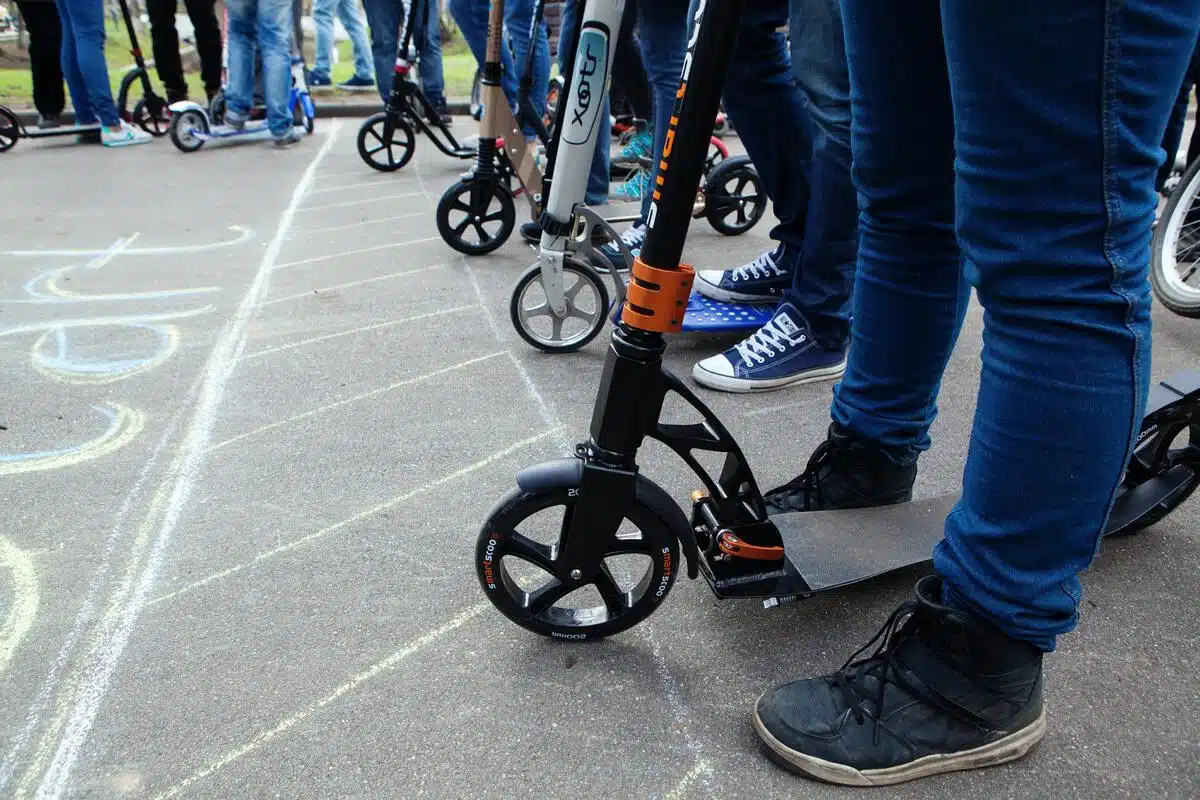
<point x="255" y="411"/>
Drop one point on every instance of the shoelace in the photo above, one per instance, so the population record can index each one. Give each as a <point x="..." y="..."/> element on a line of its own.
<point x="766" y="341"/>
<point x="884" y="666"/>
<point x="634" y="237"/>
<point x="808" y="483"/>
<point x="762" y="267"/>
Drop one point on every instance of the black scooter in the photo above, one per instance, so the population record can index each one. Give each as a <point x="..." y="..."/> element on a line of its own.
<point x="568" y="520"/>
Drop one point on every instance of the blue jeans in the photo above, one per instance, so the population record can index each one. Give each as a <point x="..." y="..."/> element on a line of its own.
<point x="977" y="170"/>
<point x="385" y="18"/>
<point x="267" y="23"/>
<point x="472" y="16"/>
<point x="83" y="64"/>
<point x="1174" y="134"/>
<point x="662" y="35"/>
<point x="347" y="11"/>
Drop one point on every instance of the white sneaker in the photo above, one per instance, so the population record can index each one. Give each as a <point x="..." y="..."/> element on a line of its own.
<point x="125" y="136"/>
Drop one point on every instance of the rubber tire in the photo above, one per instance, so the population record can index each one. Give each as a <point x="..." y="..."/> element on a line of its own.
<point x="176" y="138"/>
<point x="401" y="127"/>
<point x="508" y="221"/>
<point x="300" y="115"/>
<point x="1185" y="307"/>
<point x="141" y="113"/>
<point x="12" y="130"/>
<point x="716" y="183"/>
<point x="515" y="506"/>
<point x="530" y="275"/>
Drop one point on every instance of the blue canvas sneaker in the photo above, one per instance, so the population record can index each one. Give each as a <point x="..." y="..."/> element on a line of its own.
<point x="778" y="354"/>
<point x="633" y="237"/>
<point x="760" y="281"/>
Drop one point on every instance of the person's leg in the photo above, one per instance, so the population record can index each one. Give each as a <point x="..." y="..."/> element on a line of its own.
<point x="768" y="110"/>
<point x="76" y="86"/>
<point x="472" y="19"/>
<point x="275" y="46"/>
<point x="518" y="21"/>
<point x="352" y="20"/>
<point x="164" y="41"/>
<point x="628" y="70"/>
<point x="322" y="14"/>
<point x="207" y="31"/>
<point x="242" y="47"/>
<point x="663" y="28"/>
<point x="87" y="35"/>
<point x="1065" y="361"/>
<point x="384" y="18"/>
<point x="45" y="57"/>
<point x="433" y="84"/>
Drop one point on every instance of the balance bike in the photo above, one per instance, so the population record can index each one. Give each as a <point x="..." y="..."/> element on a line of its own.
<point x="386" y="140"/>
<point x="574" y="524"/>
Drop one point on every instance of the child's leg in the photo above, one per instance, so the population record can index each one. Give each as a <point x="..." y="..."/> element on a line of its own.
<point x="84" y="115"/>
<point x="87" y="35"/>
<point x="239" y="94"/>
<point x="275" y="45"/>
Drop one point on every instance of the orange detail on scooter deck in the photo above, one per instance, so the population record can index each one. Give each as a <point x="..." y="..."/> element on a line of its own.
<point x="656" y="299"/>
<point x="731" y="545"/>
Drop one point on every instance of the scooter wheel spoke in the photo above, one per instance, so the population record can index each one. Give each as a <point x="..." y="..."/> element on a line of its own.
<point x="584" y="295"/>
<point x="528" y="582"/>
<point x="393" y="134"/>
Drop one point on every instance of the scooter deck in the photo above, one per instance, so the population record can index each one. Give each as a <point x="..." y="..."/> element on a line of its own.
<point x="706" y="314"/>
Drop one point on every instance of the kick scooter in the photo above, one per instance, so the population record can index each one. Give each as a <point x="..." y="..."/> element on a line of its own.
<point x="386" y="140"/>
<point x="549" y="555"/>
<point x="149" y="113"/>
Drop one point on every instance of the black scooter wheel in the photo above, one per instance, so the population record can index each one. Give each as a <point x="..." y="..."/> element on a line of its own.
<point x="1170" y="443"/>
<point x="519" y="566"/>
<point x="184" y="127"/>
<point x="735" y="197"/>
<point x="586" y="306"/>
<point x="482" y="206"/>
<point x="10" y="130"/>
<point x="386" y="142"/>
<point x="151" y="115"/>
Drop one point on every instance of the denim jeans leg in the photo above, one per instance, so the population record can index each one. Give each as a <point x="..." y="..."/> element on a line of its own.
<point x="275" y="43"/>
<point x="663" y="39"/>
<point x="84" y="115"/>
<point x="822" y="286"/>
<point x="383" y="18"/>
<point x="243" y="30"/>
<point x="779" y="143"/>
<point x="518" y="21"/>
<point x="87" y="40"/>
<point x="472" y="19"/>
<point x="322" y="14"/>
<point x="433" y="83"/>
<point x="352" y="20"/>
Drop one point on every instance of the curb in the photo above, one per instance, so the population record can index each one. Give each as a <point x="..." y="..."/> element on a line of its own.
<point x="325" y="110"/>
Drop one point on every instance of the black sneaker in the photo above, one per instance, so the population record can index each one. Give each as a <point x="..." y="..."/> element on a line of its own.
<point x="531" y="232"/>
<point x="845" y="471"/>
<point x="441" y="114"/>
<point x="944" y="691"/>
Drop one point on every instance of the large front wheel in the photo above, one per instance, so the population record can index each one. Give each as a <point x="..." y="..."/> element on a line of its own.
<point x="520" y="565"/>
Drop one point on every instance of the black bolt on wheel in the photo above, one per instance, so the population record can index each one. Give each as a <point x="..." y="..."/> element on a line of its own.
<point x="386" y="142"/>
<point x="735" y="195"/>
<point x="151" y="115"/>
<point x="586" y="308"/>
<point x="10" y="130"/>
<point x="519" y="565"/>
<point x="476" y="215"/>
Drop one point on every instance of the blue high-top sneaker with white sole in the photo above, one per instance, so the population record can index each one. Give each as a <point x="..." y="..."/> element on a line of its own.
<point x="763" y="280"/>
<point x="780" y="353"/>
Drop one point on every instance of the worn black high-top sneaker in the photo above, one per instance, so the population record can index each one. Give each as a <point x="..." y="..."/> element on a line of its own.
<point x="944" y="691"/>
<point x="845" y="471"/>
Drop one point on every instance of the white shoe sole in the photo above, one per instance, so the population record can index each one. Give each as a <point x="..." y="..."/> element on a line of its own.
<point x="714" y="292"/>
<point x="1010" y="748"/>
<point x="725" y="383"/>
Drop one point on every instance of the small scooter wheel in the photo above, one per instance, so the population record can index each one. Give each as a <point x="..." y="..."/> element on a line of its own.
<point x="184" y="129"/>
<point x="586" y="308"/>
<point x="305" y="113"/>
<point x="151" y="116"/>
<point x="735" y="197"/>
<point x="517" y="560"/>
<point x="10" y="130"/>
<point x="386" y="142"/>
<point x="475" y="204"/>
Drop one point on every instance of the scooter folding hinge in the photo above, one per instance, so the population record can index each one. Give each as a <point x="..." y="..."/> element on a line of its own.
<point x="656" y="299"/>
<point x="731" y="545"/>
<point x="554" y="226"/>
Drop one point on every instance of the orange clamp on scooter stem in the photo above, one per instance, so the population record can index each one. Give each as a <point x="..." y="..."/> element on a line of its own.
<point x="731" y="545"/>
<point x="656" y="299"/>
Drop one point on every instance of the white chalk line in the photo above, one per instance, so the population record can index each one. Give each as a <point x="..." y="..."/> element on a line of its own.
<point x="357" y="680"/>
<point x="117" y="247"/>
<point x="363" y="329"/>
<point x="360" y="202"/>
<point x="124" y="424"/>
<point x="758" y="412"/>
<point x="364" y="281"/>
<point x="701" y="771"/>
<point x="170" y="501"/>
<point x="85" y="615"/>
<point x="355" y="399"/>
<point x="379" y="180"/>
<point x="23" y="599"/>
<point x="359" y="224"/>
<point x="95" y="322"/>
<point x="361" y="515"/>
<point x="344" y="253"/>
<point x="244" y="235"/>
